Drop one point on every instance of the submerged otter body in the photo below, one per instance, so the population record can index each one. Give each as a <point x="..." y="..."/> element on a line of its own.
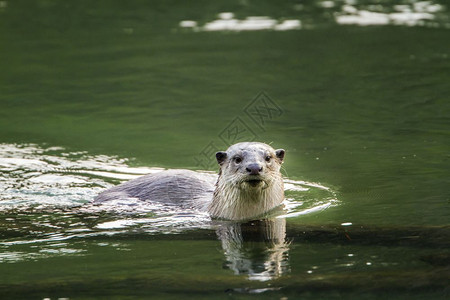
<point x="249" y="184"/>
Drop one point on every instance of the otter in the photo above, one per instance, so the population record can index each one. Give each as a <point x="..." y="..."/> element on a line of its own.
<point x="249" y="184"/>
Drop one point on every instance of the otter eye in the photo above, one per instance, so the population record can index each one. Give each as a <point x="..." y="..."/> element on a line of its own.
<point x="237" y="160"/>
<point x="268" y="158"/>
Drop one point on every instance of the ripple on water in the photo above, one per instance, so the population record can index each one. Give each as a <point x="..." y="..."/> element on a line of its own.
<point x="34" y="176"/>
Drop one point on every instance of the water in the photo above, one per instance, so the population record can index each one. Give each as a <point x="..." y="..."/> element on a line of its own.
<point x="92" y="94"/>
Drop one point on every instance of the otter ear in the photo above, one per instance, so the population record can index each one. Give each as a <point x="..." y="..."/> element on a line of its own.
<point x="221" y="156"/>
<point x="280" y="154"/>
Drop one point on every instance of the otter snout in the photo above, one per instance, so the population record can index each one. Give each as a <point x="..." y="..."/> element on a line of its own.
<point x="254" y="169"/>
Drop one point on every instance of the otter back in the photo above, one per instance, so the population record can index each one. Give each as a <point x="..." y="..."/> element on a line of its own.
<point x="186" y="188"/>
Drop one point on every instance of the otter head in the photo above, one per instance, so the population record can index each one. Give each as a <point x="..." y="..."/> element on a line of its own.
<point x="249" y="182"/>
<point x="250" y="165"/>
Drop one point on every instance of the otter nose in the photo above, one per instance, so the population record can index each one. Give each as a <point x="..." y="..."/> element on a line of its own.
<point x="254" y="169"/>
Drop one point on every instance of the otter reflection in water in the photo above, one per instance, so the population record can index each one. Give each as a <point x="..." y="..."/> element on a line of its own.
<point x="257" y="249"/>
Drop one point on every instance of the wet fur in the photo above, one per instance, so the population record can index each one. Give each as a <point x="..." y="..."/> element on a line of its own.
<point x="233" y="197"/>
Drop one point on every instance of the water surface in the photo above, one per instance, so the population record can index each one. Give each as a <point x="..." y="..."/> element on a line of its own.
<point x="92" y="94"/>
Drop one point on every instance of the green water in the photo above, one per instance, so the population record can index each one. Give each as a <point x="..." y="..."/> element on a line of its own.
<point x="363" y="110"/>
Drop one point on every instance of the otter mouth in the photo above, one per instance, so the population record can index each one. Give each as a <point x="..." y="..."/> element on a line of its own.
<point x="254" y="182"/>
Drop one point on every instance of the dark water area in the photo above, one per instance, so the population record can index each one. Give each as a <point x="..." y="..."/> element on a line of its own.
<point x="93" y="93"/>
